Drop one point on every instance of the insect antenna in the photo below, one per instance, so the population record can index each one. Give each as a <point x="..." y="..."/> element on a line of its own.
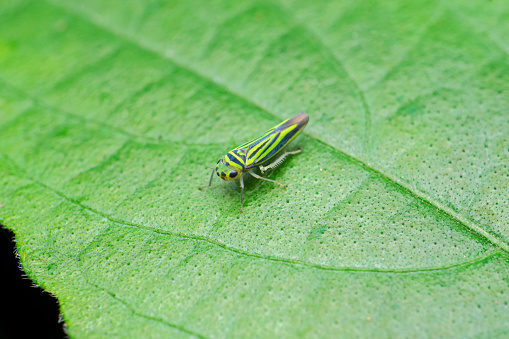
<point x="205" y="165"/>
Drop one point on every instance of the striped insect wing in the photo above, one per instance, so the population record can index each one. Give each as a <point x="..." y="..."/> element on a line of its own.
<point x="265" y="147"/>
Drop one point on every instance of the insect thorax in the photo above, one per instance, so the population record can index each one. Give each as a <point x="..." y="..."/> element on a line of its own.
<point x="235" y="159"/>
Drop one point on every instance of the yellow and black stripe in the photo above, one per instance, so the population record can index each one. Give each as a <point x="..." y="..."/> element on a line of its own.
<point x="262" y="149"/>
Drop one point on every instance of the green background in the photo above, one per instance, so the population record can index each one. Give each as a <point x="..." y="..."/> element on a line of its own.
<point x="395" y="222"/>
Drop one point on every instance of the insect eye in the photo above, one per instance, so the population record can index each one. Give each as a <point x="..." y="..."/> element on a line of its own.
<point x="233" y="174"/>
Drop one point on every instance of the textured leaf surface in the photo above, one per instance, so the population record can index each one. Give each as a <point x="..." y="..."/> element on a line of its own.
<point x="395" y="219"/>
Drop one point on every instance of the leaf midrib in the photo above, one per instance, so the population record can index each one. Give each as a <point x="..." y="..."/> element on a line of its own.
<point x="422" y="196"/>
<point x="401" y="185"/>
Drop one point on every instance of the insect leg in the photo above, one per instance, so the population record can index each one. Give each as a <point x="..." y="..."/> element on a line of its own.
<point x="262" y="178"/>
<point x="278" y="160"/>
<point x="241" y="193"/>
<point x="210" y="181"/>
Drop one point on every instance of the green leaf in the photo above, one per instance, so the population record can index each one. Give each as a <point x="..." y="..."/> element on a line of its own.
<point x="395" y="222"/>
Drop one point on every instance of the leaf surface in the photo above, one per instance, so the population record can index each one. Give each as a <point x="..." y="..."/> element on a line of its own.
<point x="395" y="219"/>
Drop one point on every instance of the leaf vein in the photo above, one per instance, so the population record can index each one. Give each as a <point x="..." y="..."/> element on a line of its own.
<point x="136" y="313"/>
<point x="272" y="258"/>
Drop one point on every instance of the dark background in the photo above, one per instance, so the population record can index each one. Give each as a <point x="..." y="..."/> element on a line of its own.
<point x="26" y="311"/>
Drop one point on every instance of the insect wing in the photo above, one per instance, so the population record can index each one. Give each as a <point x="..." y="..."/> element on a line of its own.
<point x="263" y="148"/>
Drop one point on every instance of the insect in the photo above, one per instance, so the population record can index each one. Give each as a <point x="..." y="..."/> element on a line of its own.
<point x="259" y="152"/>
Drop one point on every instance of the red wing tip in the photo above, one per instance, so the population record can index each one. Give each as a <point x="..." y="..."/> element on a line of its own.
<point x="301" y="118"/>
